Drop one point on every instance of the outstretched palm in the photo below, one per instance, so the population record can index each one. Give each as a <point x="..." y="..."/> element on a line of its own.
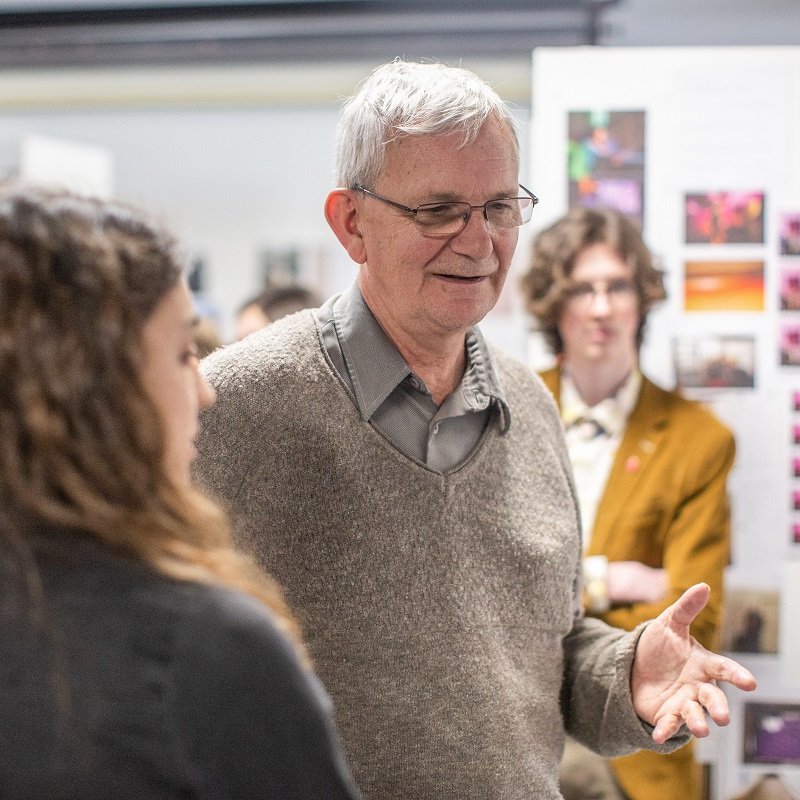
<point x="674" y="679"/>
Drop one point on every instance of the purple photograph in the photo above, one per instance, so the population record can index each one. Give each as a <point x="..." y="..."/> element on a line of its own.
<point x="771" y="733"/>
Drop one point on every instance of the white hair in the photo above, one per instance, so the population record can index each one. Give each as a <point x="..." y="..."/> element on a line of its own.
<point x="404" y="98"/>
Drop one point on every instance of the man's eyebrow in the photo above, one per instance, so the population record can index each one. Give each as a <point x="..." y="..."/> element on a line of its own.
<point x="450" y="197"/>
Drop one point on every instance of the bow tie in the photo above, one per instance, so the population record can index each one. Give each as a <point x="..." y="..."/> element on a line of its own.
<point x="587" y="427"/>
<point x="606" y="418"/>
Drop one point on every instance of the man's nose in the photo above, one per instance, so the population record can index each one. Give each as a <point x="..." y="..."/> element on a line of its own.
<point x="475" y="238"/>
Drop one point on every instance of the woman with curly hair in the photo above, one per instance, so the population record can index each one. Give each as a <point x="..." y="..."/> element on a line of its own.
<point x="141" y="655"/>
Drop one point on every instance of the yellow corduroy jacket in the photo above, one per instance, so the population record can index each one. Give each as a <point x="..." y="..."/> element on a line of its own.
<point x="665" y="505"/>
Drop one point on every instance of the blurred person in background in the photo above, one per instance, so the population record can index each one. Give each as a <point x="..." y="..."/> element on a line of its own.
<point x="650" y="466"/>
<point x="270" y="304"/>
<point x="206" y="336"/>
<point x="141" y="656"/>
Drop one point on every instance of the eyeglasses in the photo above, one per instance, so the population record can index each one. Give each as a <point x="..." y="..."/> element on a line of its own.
<point x="618" y="292"/>
<point x="448" y="219"/>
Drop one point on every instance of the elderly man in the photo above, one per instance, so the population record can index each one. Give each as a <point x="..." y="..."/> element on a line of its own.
<point x="410" y="487"/>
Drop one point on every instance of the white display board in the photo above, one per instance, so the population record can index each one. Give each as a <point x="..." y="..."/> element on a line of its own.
<point x="702" y="145"/>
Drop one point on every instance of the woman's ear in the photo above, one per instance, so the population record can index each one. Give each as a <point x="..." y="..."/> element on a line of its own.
<point x="343" y="215"/>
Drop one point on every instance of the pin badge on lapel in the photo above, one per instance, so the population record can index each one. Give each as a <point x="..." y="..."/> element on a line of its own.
<point x="634" y="463"/>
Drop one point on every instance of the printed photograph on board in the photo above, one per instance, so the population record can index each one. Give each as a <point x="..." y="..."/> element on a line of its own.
<point x="789" y="344"/>
<point x="771" y="733"/>
<point x="723" y="286"/>
<point x="714" y="362"/>
<point x="750" y="621"/>
<point x="724" y="217"/>
<point x="789" y="232"/>
<point x="605" y="160"/>
<point x="789" y="285"/>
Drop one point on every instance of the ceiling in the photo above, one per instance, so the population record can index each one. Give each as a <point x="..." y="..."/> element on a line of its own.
<point x="87" y="33"/>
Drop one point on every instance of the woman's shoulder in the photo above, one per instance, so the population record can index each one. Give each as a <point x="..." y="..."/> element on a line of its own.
<point x="90" y="585"/>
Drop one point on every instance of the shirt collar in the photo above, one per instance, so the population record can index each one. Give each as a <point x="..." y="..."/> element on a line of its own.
<point x="611" y="414"/>
<point x="480" y="385"/>
<point x="376" y="367"/>
<point x="373" y="362"/>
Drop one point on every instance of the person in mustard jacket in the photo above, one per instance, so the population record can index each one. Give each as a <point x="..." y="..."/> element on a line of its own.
<point x="650" y="465"/>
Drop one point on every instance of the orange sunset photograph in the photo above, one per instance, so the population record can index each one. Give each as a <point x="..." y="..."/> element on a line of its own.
<point x="724" y="286"/>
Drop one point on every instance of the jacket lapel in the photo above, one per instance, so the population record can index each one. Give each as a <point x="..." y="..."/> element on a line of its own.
<point x="644" y="431"/>
<point x="646" y="427"/>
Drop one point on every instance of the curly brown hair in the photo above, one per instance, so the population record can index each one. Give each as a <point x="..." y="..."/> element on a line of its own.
<point x="81" y="439"/>
<point x="555" y="249"/>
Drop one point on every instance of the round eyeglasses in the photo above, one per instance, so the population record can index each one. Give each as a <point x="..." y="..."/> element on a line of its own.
<point x="618" y="292"/>
<point x="450" y="218"/>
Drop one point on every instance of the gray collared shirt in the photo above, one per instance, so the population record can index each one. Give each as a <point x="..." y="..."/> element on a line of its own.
<point x="396" y="401"/>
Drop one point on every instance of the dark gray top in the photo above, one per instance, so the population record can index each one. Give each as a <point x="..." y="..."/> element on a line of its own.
<point x="138" y="686"/>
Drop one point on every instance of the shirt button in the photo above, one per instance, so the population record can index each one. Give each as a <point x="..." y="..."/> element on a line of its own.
<point x="414" y="382"/>
<point x="435" y="429"/>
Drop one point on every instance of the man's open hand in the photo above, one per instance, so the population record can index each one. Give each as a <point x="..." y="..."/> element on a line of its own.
<point x="674" y="679"/>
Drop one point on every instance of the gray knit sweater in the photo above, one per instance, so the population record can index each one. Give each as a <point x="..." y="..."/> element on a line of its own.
<point x="439" y="609"/>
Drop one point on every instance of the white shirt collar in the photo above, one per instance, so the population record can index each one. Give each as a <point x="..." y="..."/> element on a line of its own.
<point x="610" y="414"/>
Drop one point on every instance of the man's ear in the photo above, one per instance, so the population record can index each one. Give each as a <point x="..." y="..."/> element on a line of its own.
<point x="343" y="215"/>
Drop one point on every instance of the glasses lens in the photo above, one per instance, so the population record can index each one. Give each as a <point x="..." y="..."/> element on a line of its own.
<point x="618" y="292"/>
<point x="509" y="212"/>
<point x="442" y="218"/>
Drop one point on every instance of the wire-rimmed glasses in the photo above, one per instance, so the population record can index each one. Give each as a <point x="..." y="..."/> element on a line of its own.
<point x="618" y="292"/>
<point x="450" y="218"/>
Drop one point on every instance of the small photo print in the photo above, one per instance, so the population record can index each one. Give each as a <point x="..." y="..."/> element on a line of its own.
<point x="795" y="433"/>
<point x="605" y="160"/>
<point x="724" y="217"/>
<point x="796" y="533"/>
<point x="714" y="362"/>
<point x="724" y="286"/>
<point x="279" y="267"/>
<point x="789" y="334"/>
<point x="789" y="227"/>
<point x="796" y="402"/>
<point x="796" y="500"/>
<point x="771" y="733"/>
<point x="750" y="621"/>
<point x="789" y="277"/>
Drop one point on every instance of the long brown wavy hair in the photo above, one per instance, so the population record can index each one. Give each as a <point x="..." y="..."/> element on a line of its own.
<point x="82" y="442"/>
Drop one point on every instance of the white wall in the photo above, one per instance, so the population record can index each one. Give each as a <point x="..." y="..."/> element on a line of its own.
<point x="235" y="160"/>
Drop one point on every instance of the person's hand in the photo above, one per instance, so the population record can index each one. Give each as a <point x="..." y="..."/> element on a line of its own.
<point x="634" y="582"/>
<point x="674" y="679"/>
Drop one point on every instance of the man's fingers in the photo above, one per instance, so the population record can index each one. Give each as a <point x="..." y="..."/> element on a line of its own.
<point x="713" y="699"/>
<point x="720" y="668"/>
<point x="689" y="604"/>
<point x="667" y="726"/>
<point x="691" y="713"/>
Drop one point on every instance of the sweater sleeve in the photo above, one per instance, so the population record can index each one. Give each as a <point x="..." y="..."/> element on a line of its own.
<point x="596" y="695"/>
<point x="255" y="723"/>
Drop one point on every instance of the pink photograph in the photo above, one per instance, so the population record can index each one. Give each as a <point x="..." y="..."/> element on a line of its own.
<point x="724" y="218"/>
